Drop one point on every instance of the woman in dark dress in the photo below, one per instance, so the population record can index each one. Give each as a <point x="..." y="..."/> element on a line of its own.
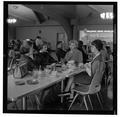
<point x="43" y="58"/>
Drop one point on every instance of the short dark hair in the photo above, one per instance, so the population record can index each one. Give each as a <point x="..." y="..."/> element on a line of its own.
<point x="38" y="37"/>
<point x="59" y="42"/>
<point x="98" y="44"/>
<point x="24" y="50"/>
<point x="80" y="43"/>
<point x="29" y="43"/>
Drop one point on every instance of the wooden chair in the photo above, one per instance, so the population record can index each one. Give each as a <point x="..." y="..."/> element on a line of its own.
<point x="87" y="90"/>
<point x="109" y="72"/>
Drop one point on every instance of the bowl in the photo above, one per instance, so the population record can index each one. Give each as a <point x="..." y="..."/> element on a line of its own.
<point x="20" y="82"/>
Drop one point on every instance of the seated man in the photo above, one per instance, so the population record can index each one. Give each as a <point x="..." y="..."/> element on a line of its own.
<point x="82" y="49"/>
<point x="38" y="43"/>
<point x="60" y="52"/>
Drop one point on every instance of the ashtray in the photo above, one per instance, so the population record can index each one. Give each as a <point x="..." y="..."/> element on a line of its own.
<point x="33" y="81"/>
<point x="19" y="82"/>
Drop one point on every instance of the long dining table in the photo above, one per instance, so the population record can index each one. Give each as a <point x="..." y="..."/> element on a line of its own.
<point x="45" y="80"/>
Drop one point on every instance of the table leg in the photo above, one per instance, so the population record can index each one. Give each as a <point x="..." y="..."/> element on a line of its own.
<point x="24" y="103"/>
<point x="62" y="86"/>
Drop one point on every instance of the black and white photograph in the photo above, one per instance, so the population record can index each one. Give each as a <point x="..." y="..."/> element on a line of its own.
<point x="58" y="57"/>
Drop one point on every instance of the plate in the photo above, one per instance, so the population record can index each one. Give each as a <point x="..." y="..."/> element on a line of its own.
<point x="33" y="81"/>
<point x="19" y="82"/>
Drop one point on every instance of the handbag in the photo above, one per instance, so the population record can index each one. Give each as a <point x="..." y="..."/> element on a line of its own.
<point x="20" y="70"/>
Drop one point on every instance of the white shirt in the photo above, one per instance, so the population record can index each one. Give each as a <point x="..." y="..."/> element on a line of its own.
<point x="88" y="69"/>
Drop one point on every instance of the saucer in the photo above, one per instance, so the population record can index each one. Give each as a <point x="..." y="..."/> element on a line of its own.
<point x="32" y="82"/>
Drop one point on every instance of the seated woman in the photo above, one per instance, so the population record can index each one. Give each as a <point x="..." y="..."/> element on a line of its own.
<point x="13" y="53"/>
<point x="43" y="58"/>
<point x="73" y="53"/>
<point x="11" y="56"/>
<point x="91" y="68"/>
<point x="25" y="58"/>
<point x="27" y="43"/>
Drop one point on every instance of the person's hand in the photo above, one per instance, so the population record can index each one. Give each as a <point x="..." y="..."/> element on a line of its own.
<point x="53" y="64"/>
<point x="62" y="61"/>
<point x="64" y="67"/>
<point x="48" y="66"/>
<point x="81" y="65"/>
<point x="87" y="65"/>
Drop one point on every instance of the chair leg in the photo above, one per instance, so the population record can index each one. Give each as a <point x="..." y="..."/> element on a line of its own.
<point x="16" y="105"/>
<point x="38" y="102"/>
<point x="81" y="102"/>
<point x="90" y="102"/>
<point x="73" y="101"/>
<point x="106" y="81"/>
<point x="99" y="101"/>
<point x="31" y="101"/>
<point x="24" y="103"/>
<point x="85" y="102"/>
<point x="100" y="95"/>
<point x="62" y="86"/>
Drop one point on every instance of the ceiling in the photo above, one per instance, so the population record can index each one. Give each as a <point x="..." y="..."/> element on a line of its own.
<point x="21" y="12"/>
<point x="27" y="13"/>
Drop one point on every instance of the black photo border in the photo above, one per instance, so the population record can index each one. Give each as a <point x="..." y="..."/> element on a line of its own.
<point x="5" y="56"/>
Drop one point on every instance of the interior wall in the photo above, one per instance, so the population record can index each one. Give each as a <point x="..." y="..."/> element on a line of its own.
<point x="11" y="32"/>
<point x="49" y="33"/>
<point x="57" y="17"/>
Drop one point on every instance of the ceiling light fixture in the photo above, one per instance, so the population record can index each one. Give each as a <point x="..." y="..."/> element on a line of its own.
<point x="106" y="15"/>
<point x="11" y="20"/>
